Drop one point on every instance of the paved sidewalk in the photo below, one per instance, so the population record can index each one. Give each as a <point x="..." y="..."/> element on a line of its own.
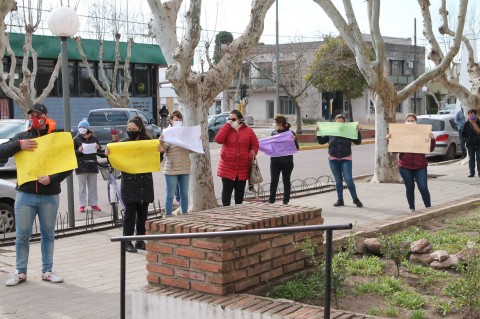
<point x="90" y="263"/>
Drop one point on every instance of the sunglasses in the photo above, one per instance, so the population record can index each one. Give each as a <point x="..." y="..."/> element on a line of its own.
<point x="233" y="120"/>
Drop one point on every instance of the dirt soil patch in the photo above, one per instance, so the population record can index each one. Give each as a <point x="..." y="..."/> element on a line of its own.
<point x="431" y="291"/>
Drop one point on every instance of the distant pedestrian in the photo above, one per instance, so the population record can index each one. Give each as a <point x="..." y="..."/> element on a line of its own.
<point x="34" y="199"/>
<point x="239" y="146"/>
<point x="176" y="168"/>
<point x="87" y="168"/>
<point x="136" y="189"/>
<point x="340" y="161"/>
<point x="471" y="134"/>
<point x="460" y="121"/>
<point x="413" y="168"/>
<point x="281" y="164"/>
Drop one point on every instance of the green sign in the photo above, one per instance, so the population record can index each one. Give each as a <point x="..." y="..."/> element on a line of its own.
<point x="348" y="130"/>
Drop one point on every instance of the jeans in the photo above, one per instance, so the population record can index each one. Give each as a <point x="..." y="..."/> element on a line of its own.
<point x="410" y="176"/>
<point x="182" y="181"/>
<point x="27" y="207"/>
<point x="473" y="154"/>
<point x="286" y="169"/>
<point x="135" y="215"/>
<point x="342" y="170"/>
<point x="228" y="187"/>
<point x="87" y="180"/>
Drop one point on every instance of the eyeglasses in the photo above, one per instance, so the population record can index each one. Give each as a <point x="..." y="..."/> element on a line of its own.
<point x="233" y="120"/>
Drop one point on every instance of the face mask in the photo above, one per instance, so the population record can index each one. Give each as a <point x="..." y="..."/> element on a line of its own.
<point x="82" y="131"/>
<point x="36" y="122"/>
<point x="473" y="117"/>
<point x="274" y="125"/>
<point x="177" y="123"/>
<point x="133" y="134"/>
<point x="410" y="122"/>
<point x="234" y="124"/>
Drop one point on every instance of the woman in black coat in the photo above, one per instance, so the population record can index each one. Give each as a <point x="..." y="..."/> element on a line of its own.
<point x="136" y="189"/>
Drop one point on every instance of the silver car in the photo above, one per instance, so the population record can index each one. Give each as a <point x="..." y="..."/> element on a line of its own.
<point x="447" y="141"/>
<point x="8" y="129"/>
<point x="7" y="201"/>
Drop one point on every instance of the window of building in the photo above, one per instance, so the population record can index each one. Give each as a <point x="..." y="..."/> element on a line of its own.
<point x="44" y="72"/>
<point x="86" y="86"/>
<point x="399" y="108"/>
<point x="396" y="67"/>
<point x="142" y="80"/>
<point x="265" y="70"/>
<point x="286" y="106"/>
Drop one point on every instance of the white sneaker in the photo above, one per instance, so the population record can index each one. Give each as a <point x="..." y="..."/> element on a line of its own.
<point x="411" y="211"/>
<point x="177" y="212"/>
<point x="52" y="277"/>
<point x="16" y="278"/>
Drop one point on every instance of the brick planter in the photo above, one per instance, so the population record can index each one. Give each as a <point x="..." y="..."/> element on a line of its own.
<point x="229" y="265"/>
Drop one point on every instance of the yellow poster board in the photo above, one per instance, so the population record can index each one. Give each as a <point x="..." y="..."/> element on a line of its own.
<point x="54" y="154"/>
<point x="135" y="157"/>
<point x="409" y="138"/>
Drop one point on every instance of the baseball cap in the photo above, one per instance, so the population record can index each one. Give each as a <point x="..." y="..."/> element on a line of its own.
<point x="39" y="108"/>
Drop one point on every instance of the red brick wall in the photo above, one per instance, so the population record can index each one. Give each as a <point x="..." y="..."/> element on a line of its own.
<point x="231" y="264"/>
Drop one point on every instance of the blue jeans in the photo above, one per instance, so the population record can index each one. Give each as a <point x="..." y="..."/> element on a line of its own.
<point x="172" y="182"/>
<point x="410" y="176"/>
<point x="342" y="170"/>
<point x="27" y="207"/>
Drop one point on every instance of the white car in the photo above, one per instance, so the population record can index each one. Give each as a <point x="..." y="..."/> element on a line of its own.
<point x="447" y="141"/>
<point x="8" y="129"/>
<point x="448" y="109"/>
<point x="7" y="201"/>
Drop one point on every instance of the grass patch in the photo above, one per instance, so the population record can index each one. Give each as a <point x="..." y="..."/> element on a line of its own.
<point x="366" y="266"/>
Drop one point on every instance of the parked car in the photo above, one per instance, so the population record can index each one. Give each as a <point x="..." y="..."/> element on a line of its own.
<point x="447" y="141"/>
<point x="7" y="201"/>
<point x="448" y="109"/>
<point x="215" y="123"/>
<point x="110" y="124"/>
<point x="8" y="129"/>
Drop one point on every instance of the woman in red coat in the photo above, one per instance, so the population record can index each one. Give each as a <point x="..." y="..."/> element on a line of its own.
<point x="239" y="144"/>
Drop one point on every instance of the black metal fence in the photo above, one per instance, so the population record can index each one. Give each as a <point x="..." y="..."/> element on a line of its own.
<point x="297" y="229"/>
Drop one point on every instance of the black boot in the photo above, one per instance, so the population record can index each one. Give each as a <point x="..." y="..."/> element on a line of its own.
<point x="339" y="203"/>
<point x="129" y="247"/>
<point x="357" y="202"/>
<point x="140" y="245"/>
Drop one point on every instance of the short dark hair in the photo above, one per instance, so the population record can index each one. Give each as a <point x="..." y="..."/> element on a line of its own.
<point x="472" y="111"/>
<point x="177" y="114"/>
<point x="410" y="115"/>
<point x="340" y="116"/>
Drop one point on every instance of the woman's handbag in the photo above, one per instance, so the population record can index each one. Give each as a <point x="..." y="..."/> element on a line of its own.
<point x="255" y="174"/>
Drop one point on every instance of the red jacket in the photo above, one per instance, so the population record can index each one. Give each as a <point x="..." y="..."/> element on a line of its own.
<point x="236" y="155"/>
<point x="414" y="161"/>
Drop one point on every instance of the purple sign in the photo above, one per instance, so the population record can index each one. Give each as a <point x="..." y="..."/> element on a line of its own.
<point x="281" y="144"/>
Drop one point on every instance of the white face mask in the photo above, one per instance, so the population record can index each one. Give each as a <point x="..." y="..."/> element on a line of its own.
<point x="177" y="123"/>
<point x="234" y="124"/>
<point x="82" y="130"/>
<point x="410" y="122"/>
<point x="274" y="125"/>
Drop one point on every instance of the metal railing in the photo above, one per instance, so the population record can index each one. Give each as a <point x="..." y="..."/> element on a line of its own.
<point x="295" y="229"/>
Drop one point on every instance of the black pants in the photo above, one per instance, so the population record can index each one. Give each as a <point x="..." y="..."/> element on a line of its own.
<point x="474" y="154"/>
<point x="286" y="169"/>
<point x="135" y="214"/>
<point x="228" y="187"/>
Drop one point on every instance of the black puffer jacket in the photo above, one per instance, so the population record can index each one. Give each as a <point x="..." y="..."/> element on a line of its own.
<point x="12" y="147"/>
<point x="84" y="167"/>
<point x="339" y="147"/>
<point x="136" y="188"/>
<point x="472" y="139"/>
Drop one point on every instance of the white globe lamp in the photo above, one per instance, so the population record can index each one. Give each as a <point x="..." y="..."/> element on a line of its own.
<point x="63" y="22"/>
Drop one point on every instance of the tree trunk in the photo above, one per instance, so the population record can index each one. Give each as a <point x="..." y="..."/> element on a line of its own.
<point x="201" y="190"/>
<point x="386" y="170"/>
<point x="298" y="110"/>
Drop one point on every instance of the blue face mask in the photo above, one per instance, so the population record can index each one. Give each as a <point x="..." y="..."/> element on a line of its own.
<point x="473" y="117"/>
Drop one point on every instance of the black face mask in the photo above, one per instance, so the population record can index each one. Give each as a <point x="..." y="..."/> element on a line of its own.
<point x="133" y="134"/>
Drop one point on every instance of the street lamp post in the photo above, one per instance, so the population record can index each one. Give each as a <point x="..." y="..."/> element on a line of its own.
<point x="63" y="22"/>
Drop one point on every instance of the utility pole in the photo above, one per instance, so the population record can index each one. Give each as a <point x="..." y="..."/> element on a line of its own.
<point x="415" y="63"/>
<point x="276" y="106"/>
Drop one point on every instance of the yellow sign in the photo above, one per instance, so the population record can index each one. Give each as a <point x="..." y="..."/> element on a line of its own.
<point x="409" y="138"/>
<point x="135" y="157"/>
<point x="54" y="154"/>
